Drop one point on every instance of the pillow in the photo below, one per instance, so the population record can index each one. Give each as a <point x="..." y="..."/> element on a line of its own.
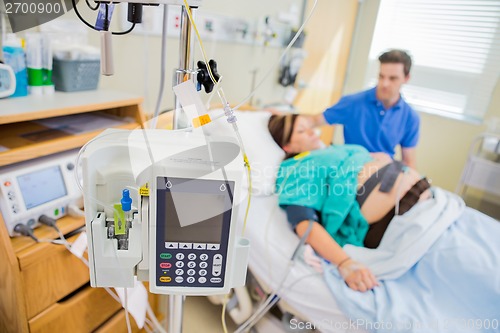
<point x="264" y="155"/>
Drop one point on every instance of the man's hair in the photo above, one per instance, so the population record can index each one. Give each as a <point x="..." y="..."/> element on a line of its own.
<point x="396" y="57"/>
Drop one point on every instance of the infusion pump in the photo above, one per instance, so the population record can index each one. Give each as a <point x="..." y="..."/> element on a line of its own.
<point x="179" y="232"/>
<point x="44" y="186"/>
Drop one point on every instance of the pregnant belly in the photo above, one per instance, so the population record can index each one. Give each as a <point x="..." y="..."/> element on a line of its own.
<point x="378" y="204"/>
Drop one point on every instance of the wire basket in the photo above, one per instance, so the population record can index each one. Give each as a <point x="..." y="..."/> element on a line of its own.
<point x="75" y="75"/>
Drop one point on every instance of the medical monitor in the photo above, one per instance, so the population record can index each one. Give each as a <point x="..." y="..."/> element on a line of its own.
<point x="42" y="186"/>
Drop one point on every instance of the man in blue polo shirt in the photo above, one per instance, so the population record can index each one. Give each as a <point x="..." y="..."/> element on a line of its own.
<point x="379" y="119"/>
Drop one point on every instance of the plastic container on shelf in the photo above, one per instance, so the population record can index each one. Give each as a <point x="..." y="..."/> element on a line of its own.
<point x="15" y="57"/>
<point x="34" y="63"/>
<point x="75" y="75"/>
<point x="47" y="65"/>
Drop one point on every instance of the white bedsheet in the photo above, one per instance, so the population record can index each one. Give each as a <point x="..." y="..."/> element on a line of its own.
<point x="410" y="236"/>
<point x="272" y="245"/>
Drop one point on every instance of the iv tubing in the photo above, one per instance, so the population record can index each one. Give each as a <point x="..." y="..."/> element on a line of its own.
<point x="224" y="100"/>
<point x="67" y="245"/>
<point x="274" y="297"/>
<point x="223" y="316"/>
<point x="127" y="319"/>
<point x="156" y="323"/>
<point x="229" y="113"/>
<point x="82" y="150"/>
<point x="216" y="89"/>
<point x="262" y="310"/>
<point x="77" y="178"/>
<point x="398" y="193"/>
<point x="94" y="28"/>
<point x="190" y="16"/>
<point x="162" y="66"/>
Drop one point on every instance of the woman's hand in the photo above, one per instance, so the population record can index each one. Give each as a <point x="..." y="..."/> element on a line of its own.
<point x="357" y="276"/>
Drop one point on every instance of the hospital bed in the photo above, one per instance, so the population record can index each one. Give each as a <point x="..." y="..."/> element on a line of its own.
<point x="304" y="292"/>
<point x="440" y="251"/>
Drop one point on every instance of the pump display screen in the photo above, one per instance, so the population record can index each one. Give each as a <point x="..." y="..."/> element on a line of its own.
<point x="193" y="223"/>
<point x="42" y="186"/>
<point x="193" y="210"/>
<point x="193" y="217"/>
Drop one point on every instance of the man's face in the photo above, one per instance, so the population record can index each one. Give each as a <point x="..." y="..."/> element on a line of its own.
<point x="390" y="79"/>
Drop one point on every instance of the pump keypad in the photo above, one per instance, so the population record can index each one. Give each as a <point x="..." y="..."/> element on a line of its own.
<point x="191" y="265"/>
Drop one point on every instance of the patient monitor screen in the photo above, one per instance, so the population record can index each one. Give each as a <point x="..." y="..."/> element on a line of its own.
<point x="42" y="186"/>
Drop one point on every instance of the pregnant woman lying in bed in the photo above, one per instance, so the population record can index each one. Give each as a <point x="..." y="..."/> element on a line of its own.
<point x="349" y="194"/>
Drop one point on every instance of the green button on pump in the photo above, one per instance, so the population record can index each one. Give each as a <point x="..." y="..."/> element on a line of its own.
<point x="56" y="211"/>
<point x="165" y="256"/>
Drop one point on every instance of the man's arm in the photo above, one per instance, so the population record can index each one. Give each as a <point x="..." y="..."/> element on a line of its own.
<point x="319" y="120"/>
<point x="380" y="156"/>
<point x="409" y="156"/>
<point x="410" y="140"/>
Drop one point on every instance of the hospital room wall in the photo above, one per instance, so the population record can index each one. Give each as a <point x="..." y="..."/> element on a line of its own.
<point x="444" y="142"/>
<point x="134" y="53"/>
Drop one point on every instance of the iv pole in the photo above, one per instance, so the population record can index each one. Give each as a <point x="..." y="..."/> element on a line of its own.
<point x="176" y="302"/>
<point x="186" y="62"/>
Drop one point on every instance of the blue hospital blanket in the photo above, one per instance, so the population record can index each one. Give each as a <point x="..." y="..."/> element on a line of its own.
<point x="453" y="287"/>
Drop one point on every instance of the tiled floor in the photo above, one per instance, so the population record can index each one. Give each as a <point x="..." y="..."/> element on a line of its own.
<point x="201" y="316"/>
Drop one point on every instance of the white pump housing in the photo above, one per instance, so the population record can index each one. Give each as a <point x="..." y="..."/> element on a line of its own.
<point x="181" y="235"/>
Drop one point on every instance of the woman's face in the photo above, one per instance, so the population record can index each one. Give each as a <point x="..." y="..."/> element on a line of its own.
<point x="304" y="137"/>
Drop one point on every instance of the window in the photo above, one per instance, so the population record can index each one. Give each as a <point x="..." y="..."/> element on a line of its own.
<point x="455" y="46"/>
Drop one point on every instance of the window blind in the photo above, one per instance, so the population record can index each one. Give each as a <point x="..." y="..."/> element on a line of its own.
<point x="455" y="46"/>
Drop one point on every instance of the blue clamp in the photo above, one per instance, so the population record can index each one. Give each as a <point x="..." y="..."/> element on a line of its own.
<point x="126" y="201"/>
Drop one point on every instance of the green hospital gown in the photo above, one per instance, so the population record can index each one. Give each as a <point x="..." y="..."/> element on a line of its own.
<point x="326" y="180"/>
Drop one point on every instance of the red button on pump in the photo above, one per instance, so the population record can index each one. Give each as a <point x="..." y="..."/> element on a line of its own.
<point x="165" y="265"/>
<point x="7" y="184"/>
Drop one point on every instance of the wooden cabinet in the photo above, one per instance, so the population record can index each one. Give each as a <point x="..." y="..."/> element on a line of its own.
<point x="43" y="287"/>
